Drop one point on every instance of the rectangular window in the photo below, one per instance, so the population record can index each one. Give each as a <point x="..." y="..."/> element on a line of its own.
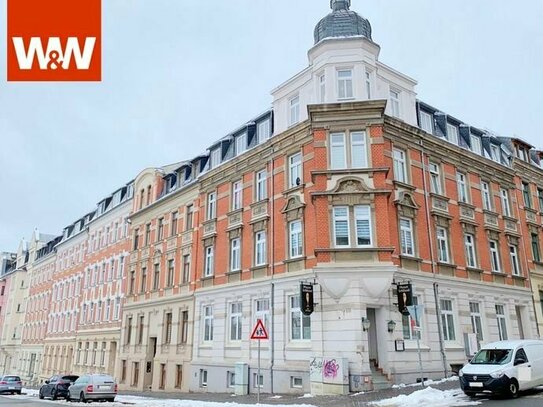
<point x="435" y="178"/>
<point x="535" y="248"/>
<point x="258" y="380"/>
<point x="215" y="158"/>
<point x="341" y="226"/>
<point x="140" y="329"/>
<point x="203" y="378"/>
<point x="209" y="261"/>
<point x="443" y="245"/>
<point x="362" y="217"/>
<point x="395" y="103"/>
<point x="208" y="323"/>
<point x="526" y="194"/>
<point x="173" y="229"/>
<point x="406" y="237"/>
<point x="494" y="256"/>
<point x="123" y="371"/>
<point x="260" y="248"/>
<point x="186" y="268"/>
<point x="338" y="159"/>
<point x="136" y="240"/>
<point x="156" y="276"/>
<point x="189" y="211"/>
<point x="136" y="373"/>
<point x="230" y="379"/>
<point x="262" y="311"/>
<point x="502" y="322"/>
<point x="162" y="378"/>
<point x="168" y="328"/>
<point x="506" y="208"/>
<point x="211" y="205"/>
<point x="294" y="111"/>
<point x="411" y="328"/>
<point x="322" y="88"/>
<point x="513" y="255"/>
<point x="300" y="323"/>
<point x="261" y="185"/>
<point x="540" y="197"/>
<point x="235" y="255"/>
<point x="452" y="133"/>
<point x="447" y="320"/>
<point x="359" y="155"/>
<point x="143" y="279"/>
<point x="368" y="84"/>
<point x="476" y="321"/>
<point x="400" y="166"/>
<point x="295" y="239"/>
<point x="147" y="234"/>
<point x="184" y="326"/>
<point x="241" y="143"/>
<point x="495" y="152"/>
<point x="476" y="144"/>
<point x="160" y="233"/>
<point x="235" y="321"/>
<point x="178" y="376"/>
<point x="469" y="243"/>
<point x="487" y="200"/>
<point x="295" y="170"/>
<point x="426" y="122"/>
<point x="237" y="191"/>
<point x="263" y="131"/>
<point x="345" y="84"/>
<point x="171" y="273"/>
<point x="296" y="382"/>
<point x="461" y="181"/>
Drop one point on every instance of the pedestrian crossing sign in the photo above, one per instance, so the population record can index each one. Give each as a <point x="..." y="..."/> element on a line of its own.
<point x="259" y="331"/>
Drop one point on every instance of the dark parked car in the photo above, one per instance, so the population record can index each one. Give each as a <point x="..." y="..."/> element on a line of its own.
<point x="10" y="384"/>
<point x="57" y="387"/>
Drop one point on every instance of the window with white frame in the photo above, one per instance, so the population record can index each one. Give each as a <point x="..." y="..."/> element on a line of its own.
<point x="235" y="321"/>
<point x="262" y="311"/>
<point x="203" y="378"/>
<point x="435" y="178"/>
<point x="502" y="322"/>
<point x="368" y="83"/>
<point x="258" y="380"/>
<point x="260" y="248"/>
<point x="447" y="320"/>
<point x="461" y="181"/>
<point x="322" y="88"/>
<point x="296" y="382"/>
<point x="494" y="256"/>
<point x="237" y="188"/>
<point x="294" y="110"/>
<point x="241" y="143"/>
<point x="295" y="239"/>
<point x="411" y="328"/>
<point x="400" y="165"/>
<point x="527" y="195"/>
<point x="476" y="144"/>
<point x="452" y="133"/>
<point x="261" y="184"/>
<point x="211" y="205"/>
<point x="536" y="254"/>
<point x="485" y="191"/>
<point x="443" y="245"/>
<point x="207" y="312"/>
<point x="263" y="131"/>
<point x="230" y="379"/>
<point x="235" y="254"/>
<point x="338" y="158"/>
<point x="295" y="170"/>
<point x="476" y="320"/>
<point x="300" y="324"/>
<point x="117" y="309"/>
<point x="513" y="256"/>
<point x="506" y="208"/>
<point x="348" y="155"/>
<point x="394" y="96"/>
<point x="426" y="122"/>
<point x="345" y="84"/>
<point x="209" y="265"/>
<point x="359" y="153"/>
<point x="362" y="218"/>
<point x="406" y="237"/>
<point x="469" y="244"/>
<point x="341" y="226"/>
<point x="215" y="158"/>
<point x="495" y="152"/>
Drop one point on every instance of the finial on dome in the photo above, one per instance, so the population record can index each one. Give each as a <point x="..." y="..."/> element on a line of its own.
<point x="340" y="4"/>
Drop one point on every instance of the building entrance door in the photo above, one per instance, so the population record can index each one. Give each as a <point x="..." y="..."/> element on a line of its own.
<point x="151" y="353"/>
<point x="372" y="337"/>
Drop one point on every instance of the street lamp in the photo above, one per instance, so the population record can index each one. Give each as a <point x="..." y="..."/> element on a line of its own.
<point x="391" y="325"/>
<point x="366" y="323"/>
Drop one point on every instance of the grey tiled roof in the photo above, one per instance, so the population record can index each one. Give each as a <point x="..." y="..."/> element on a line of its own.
<point x="342" y="22"/>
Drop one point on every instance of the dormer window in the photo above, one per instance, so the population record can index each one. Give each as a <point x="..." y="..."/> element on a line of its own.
<point x="241" y="143"/>
<point x="476" y="144"/>
<point x="495" y="152"/>
<point x="294" y="110"/>
<point x="394" y="103"/>
<point x="426" y="122"/>
<point x="452" y="133"/>
<point x="263" y="131"/>
<point x="345" y="84"/>
<point x="215" y="158"/>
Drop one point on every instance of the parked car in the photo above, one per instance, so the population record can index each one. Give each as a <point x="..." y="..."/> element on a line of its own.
<point x="57" y="387"/>
<point x="93" y="387"/>
<point x="505" y="367"/>
<point x="10" y="384"/>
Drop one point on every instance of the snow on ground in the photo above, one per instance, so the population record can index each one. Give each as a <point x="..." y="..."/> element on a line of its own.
<point x="123" y="401"/>
<point x="427" y="382"/>
<point x="429" y="397"/>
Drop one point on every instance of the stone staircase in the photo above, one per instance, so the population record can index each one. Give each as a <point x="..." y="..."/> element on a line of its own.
<point x="379" y="380"/>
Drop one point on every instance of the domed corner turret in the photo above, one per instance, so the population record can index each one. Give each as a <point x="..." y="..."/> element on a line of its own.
<point x="342" y="22"/>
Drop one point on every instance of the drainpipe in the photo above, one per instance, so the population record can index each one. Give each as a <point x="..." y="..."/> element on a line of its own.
<point x="272" y="258"/>
<point x="432" y="258"/>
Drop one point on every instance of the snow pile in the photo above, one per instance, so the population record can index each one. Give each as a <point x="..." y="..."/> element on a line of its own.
<point x="426" y="383"/>
<point x="429" y="397"/>
<point x="30" y="392"/>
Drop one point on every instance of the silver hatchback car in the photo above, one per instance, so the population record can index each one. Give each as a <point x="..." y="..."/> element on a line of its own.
<point x="93" y="387"/>
<point x="10" y="384"/>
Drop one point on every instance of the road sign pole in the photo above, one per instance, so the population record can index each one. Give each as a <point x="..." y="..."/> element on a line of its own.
<point x="258" y="376"/>
<point x="418" y="345"/>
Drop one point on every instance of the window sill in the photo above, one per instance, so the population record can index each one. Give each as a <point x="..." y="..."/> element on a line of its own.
<point x="233" y="272"/>
<point x="294" y="259"/>
<point x="499" y="273"/>
<point x="354" y="249"/>
<point x="519" y="277"/>
<point x="510" y="218"/>
<point x="539" y="263"/>
<point x="411" y="345"/>
<point x="412" y="258"/>
<point x="467" y="205"/>
<point x="452" y="345"/>
<point x="403" y="184"/>
<point x="204" y="278"/>
<point x="262" y="266"/>
<point x="445" y="264"/>
<point x="439" y="196"/>
<point x="475" y="269"/>
<point x="293" y="189"/>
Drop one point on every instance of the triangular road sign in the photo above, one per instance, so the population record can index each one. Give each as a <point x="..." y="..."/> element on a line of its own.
<point x="259" y="331"/>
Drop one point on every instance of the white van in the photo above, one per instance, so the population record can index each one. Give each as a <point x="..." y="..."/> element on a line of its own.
<point x="504" y="368"/>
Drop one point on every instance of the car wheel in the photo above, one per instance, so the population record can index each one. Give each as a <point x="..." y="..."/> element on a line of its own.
<point x="111" y="400"/>
<point x="19" y="392"/>
<point x="40" y="395"/>
<point x="82" y="398"/>
<point x="513" y="389"/>
<point x="54" y="396"/>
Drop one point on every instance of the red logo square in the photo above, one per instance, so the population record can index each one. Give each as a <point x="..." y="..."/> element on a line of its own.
<point x="54" y="40"/>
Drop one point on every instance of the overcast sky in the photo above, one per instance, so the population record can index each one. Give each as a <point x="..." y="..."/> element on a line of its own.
<point x="179" y="74"/>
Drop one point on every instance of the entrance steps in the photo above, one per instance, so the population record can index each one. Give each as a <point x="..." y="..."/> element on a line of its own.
<point x="378" y="378"/>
